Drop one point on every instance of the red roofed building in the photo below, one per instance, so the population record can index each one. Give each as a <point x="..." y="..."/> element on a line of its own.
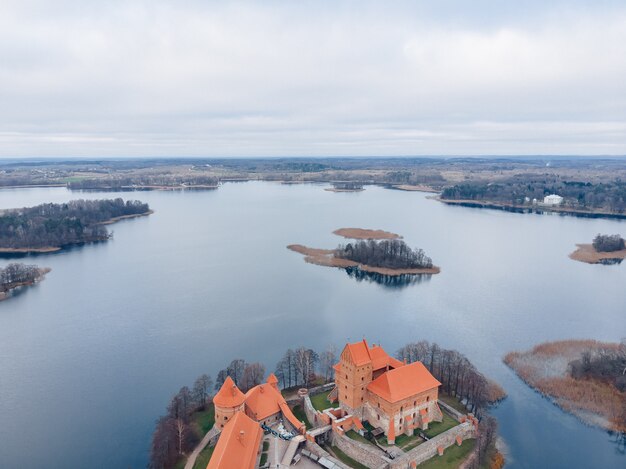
<point x="386" y="392"/>
<point x="239" y="444"/>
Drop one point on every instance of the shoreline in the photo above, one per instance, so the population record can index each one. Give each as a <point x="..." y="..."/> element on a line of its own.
<point x="5" y="295"/>
<point x="361" y="233"/>
<point x="412" y="188"/>
<point x="50" y="249"/>
<point x="325" y="257"/>
<point x="586" y="253"/>
<point x="126" y="217"/>
<point x="538" y="209"/>
<point x="332" y="189"/>
<point x="545" y="368"/>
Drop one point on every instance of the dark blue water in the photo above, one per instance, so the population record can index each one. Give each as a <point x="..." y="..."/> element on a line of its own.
<point x="90" y="357"/>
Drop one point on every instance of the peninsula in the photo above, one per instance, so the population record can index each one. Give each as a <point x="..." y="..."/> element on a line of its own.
<point x="605" y="249"/>
<point x="583" y="377"/>
<point x="51" y="227"/>
<point x="15" y="276"/>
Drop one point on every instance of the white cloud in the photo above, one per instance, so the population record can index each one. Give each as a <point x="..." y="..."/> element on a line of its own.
<point x="320" y="78"/>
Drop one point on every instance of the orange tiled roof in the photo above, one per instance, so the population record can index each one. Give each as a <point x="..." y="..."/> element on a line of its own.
<point x="263" y="400"/>
<point x="229" y="395"/>
<point x="380" y="359"/>
<point x="272" y="379"/>
<point x="403" y="382"/>
<point x="238" y="445"/>
<point x="359" y="353"/>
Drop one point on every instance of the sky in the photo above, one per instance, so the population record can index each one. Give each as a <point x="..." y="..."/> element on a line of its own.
<point x="93" y="78"/>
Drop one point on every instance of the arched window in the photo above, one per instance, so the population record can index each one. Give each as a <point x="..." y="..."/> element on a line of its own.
<point x="427" y="398"/>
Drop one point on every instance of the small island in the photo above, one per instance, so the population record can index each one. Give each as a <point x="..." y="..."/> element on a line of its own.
<point x="51" y="227"/>
<point x="583" y="377"/>
<point x="345" y="186"/>
<point x="605" y="249"/>
<point x="388" y="256"/>
<point x="15" y="276"/>
<point x="360" y="233"/>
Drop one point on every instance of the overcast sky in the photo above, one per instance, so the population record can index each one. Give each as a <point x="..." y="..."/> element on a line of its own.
<point x="203" y="78"/>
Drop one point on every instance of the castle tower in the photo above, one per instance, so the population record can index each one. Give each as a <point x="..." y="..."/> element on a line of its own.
<point x="228" y="401"/>
<point x="353" y="375"/>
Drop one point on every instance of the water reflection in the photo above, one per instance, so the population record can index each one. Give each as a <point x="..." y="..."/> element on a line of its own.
<point x="613" y="261"/>
<point x="389" y="281"/>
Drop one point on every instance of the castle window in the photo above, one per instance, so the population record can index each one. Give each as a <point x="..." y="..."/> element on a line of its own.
<point x="346" y="396"/>
<point x="225" y="418"/>
<point x="427" y="398"/>
<point x="401" y="408"/>
<point x="362" y="378"/>
<point x="414" y="403"/>
<point x="346" y="376"/>
<point x="378" y="417"/>
<point x="379" y="405"/>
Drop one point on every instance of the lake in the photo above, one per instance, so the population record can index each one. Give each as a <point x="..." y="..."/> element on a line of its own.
<point x="90" y="357"/>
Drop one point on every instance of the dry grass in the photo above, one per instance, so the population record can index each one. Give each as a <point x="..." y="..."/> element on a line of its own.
<point x="327" y="258"/>
<point x="587" y="253"/>
<point x="546" y="368"/>
<point x="361" y="233"/>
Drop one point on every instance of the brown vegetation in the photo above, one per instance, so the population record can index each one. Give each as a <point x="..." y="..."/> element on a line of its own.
<point x="326" y="257"/>
<point x="361" y="233"/>
<point x="548" y="369"/>
<point x="587" y="253"/>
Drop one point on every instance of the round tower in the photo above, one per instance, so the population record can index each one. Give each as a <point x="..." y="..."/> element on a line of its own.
<point x="228" y="401"/>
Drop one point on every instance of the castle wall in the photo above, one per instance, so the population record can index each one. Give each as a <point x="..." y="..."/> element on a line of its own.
<point x="224" y="414"/>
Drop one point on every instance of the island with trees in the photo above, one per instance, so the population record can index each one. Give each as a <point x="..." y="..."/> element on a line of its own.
<point x="584" y="377"/>
<point x="185" y="435"/>
<point x="16" y="276"/>
<point x="374" y="252"/>
<point x="605" y="249"/>
<point x="51" y="227"/>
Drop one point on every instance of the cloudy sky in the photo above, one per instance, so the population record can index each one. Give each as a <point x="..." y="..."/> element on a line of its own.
<point x="268" y="78"/>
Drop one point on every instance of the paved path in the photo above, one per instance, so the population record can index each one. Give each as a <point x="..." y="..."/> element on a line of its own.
<point x="191" y="460"/>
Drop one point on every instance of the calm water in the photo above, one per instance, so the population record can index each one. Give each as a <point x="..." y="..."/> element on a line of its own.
<point x="90" y="357"/>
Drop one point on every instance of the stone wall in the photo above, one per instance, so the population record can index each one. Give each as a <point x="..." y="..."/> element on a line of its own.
<point x="310" y="412"/>
<point x="366" y="454"/>
<point x="451" y="410"/>
<point x="321" y="452"/>
<point x="428" y="449"/>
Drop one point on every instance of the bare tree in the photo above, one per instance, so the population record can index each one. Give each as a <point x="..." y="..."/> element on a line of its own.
<point x="328" y="358"/>
<point x="252" y="375"/>
<point x="201" y="390"/>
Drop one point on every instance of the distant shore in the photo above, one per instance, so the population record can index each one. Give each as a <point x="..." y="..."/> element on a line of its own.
<point x="546" y="369"/>
<point x="587" y="253"/>
<point x="539" y="209"/>
<point x="334" y="189"/>
<point x="360" y="233"/>
<point x="413" y="188"/>
<point x="326" y="257"/>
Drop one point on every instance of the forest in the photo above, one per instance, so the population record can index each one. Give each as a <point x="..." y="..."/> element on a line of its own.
<point x="59" y="225"/>
<point x="608" y="243"/>
<point x="388" y="253"/>
<point x="523" y="188"/>
<point x="15" y="274"/>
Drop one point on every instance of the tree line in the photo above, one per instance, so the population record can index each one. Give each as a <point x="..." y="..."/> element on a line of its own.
<point x="608" y="243"/>
<point x="15" y="274"/>
<point x="458" y="376"/>
<point x="609" y="195"/>
<point x="58" y="225"/>
<point x="388" y="253"/>
<point x="175" y="435"/>
<point x="116" y="183"/>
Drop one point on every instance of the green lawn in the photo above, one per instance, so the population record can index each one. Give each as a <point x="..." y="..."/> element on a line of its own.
<point x="452" y="457"/>
<point x="406" y="443"/>
<point x="453" y="402"/>
<point x="204" y="457"/>
<point x="435" y="428"/>
<point x="344" y="458"/>
<point x="356" y="437"/>
<point x="266" y="446"/>
<point x="320" y="401"/>
<point x="300" y="415"/>
<point x="204" y="420"/>
<point x="263" y="459"/>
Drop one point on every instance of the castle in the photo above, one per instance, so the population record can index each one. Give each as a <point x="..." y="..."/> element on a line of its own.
<point x="394" y="397"/>
<point x="389" y="394"/>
